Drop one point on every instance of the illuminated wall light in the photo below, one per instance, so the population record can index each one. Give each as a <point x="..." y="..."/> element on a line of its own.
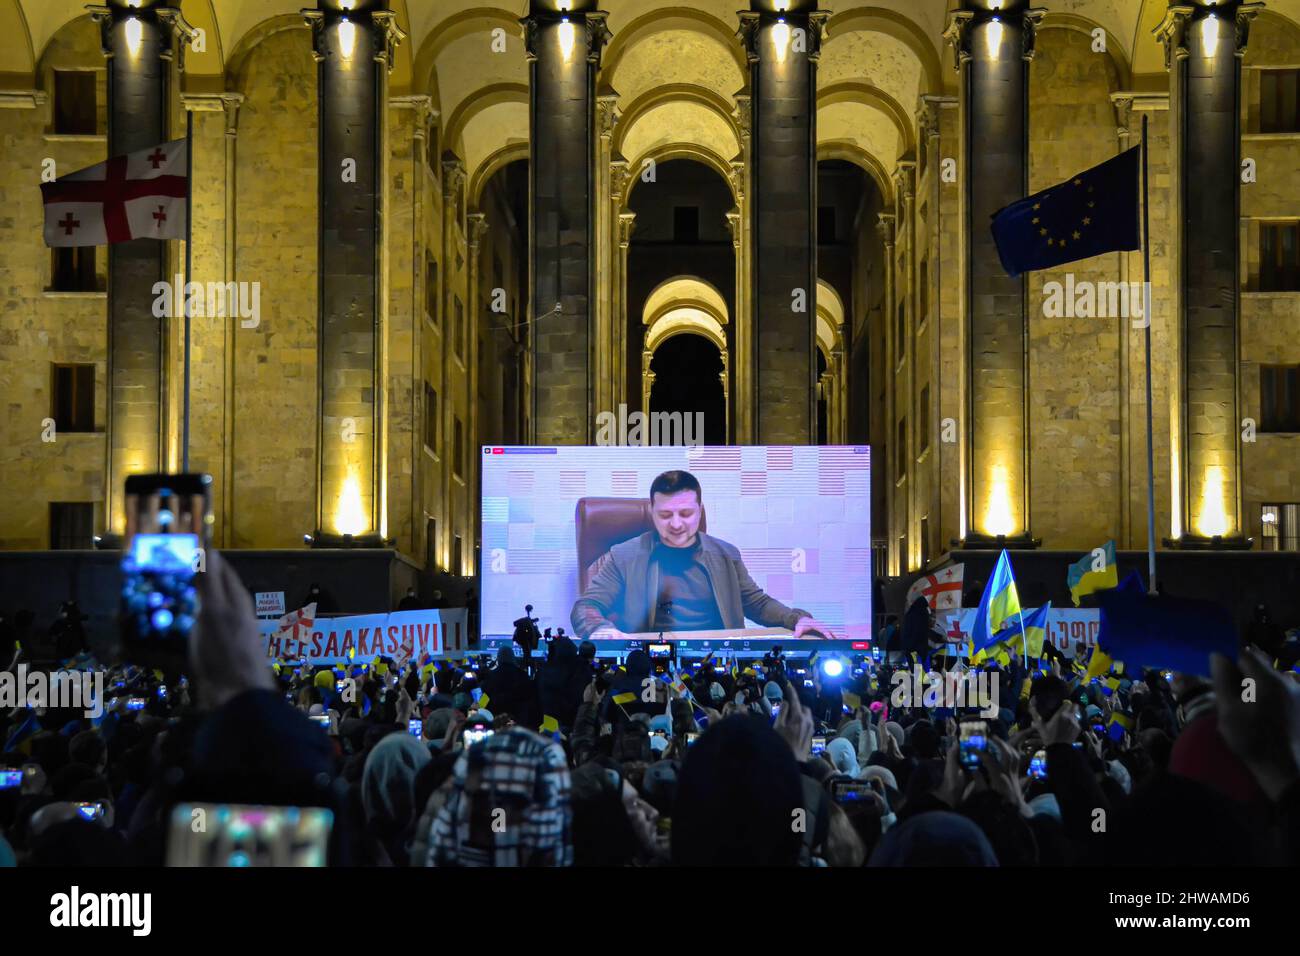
<point x="993" y="37"/>
<point x="347" y="38"/>
<point x="998" y="518"/>
<point x="134" y="36"/>
<point x="1214" y="512"/>
<point x="782" y="6"/>
<point x="347" y="4"/>
<point x="781" y="39"/>
<point x="568" y="39"/>
<point x="349" y="515"/>
<point x="1210" y="34"/>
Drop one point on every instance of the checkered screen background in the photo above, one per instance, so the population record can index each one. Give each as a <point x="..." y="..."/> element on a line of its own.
<point x="765" y="500"/>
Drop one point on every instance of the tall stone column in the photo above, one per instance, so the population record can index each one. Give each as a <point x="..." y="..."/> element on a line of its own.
<point x="140" y="44"/>
<point x="993" y="48"/>
<point x="564" y="53"/>
<point x="603" y="350"/>
<point x="626" y="224"/>
<point x="740" y="224"/>
<point x="353" y="52"/>
<point x="783" y="48"/>
<point x="1204" y="43"/>
<point x="740" y="418"/>
<point x="884" y="368"/>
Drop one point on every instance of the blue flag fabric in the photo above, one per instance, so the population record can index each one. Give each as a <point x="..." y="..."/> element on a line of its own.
<point x="998" y="605"/>
<point x="1177" y="634"/>
<point x="1088" y="214"/>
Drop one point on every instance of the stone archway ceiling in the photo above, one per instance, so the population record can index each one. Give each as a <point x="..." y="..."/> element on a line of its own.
<point x="623" y="12"/>
<point x="489" y="130"/>
<point x="880" y="60"/>
<point x="467" y="65"/>
<point x="676" y="122"/>
<point x="828" y="300"/>
<point x="696" y="59"/>
<point x="864" y="126"/>
<point x="685" y="321"/>
<point x="16" y="53"/>
<point x="684" y="289"/>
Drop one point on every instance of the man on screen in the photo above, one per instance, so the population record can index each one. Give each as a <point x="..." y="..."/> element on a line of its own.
<point x="676" y="578"/>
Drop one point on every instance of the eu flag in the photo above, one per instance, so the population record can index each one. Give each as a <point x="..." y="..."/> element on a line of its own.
<point x="1088" y="214"/>
<point x="1177" y="634"/>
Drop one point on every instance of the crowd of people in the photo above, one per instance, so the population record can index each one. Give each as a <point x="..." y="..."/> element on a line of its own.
<point x="565" y="760"/>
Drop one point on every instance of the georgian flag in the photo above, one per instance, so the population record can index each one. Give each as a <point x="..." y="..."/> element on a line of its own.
<point x="941" y="590"/>
<point x="136" y="196"/>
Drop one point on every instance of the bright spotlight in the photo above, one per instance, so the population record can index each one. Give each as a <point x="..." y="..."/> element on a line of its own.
<point x="832" y="667"/>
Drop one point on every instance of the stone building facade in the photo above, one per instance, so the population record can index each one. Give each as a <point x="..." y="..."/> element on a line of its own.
<point x="545" y="195"/>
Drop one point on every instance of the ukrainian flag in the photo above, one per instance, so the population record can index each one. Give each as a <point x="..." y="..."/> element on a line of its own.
<point x="1084" y="576"/>
<point x="1119" y="722"/>
<point x="1035" y="633"/>
<point x="999" y="604"/>
<point x="549" y="725"/>
<point x="626" y="698"/>
<point x="1098" y="665"/>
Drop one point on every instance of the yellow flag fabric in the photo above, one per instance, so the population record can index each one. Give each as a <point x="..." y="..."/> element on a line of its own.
<point x="550" y="725"/>
<point x="1098" y="665"/>
<point x="624" y="698"/>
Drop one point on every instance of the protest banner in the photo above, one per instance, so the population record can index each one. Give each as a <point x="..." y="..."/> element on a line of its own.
<point x="361" y="638"/>
<point x="1066" y="627"/>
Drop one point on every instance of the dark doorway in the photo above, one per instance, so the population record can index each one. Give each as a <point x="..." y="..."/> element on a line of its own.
<point x="686" y="371"/>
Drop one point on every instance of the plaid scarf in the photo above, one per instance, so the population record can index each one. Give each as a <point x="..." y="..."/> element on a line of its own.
<point x="509" y="805"/>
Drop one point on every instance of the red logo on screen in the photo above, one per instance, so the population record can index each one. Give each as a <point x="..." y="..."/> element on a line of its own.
<point x="861" y="645"/>
<point x="498" y="451"/>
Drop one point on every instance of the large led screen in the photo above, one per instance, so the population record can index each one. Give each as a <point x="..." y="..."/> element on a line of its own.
<point x="776" y="541"/>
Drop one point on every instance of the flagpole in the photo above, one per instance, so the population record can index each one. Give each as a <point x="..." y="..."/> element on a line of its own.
<point x="189" y="259"/>
<point x="1146" y="305"/>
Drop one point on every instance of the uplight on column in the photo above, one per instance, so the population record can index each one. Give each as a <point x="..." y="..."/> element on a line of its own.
<point x="998" y="519"/>
<point x="350" y="515"/>
<point x="1214" y="511"/>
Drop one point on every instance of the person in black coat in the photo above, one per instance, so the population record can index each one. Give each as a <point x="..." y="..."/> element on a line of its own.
<point x="511" y="691"/>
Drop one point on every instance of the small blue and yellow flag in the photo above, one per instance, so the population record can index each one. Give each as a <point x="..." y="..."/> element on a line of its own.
<point x="1035" y="629"/>
<point x="1098" y="665"/>
<point x="483" y="699"/>
<point x="1119" y="722"/>
<point x="1093" y="572"/>
<point x="549" y="725"/>
<point x="998" y="605"/>
<point x="626" y="698"/>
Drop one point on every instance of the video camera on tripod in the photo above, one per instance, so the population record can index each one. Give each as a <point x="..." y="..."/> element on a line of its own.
<point x="526" y="634"/>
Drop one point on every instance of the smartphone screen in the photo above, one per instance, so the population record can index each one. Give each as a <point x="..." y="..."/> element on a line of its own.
<point x="973" y="742"/>
<point x="1038" y="766"/>
<point x="322" y="721"/>
<point x="221" y="835"/>
<point x="92" y="812"/>
<point x="10" y="779"/>
<point x="415" y="726"/>
<point x="135" y="703"/>
<point x="474" y="735"/>
<point x="691" y="738"/>
<point x="850" y="791"/>
<point x="818" y="744"/>
<point x="168" y="526"/>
